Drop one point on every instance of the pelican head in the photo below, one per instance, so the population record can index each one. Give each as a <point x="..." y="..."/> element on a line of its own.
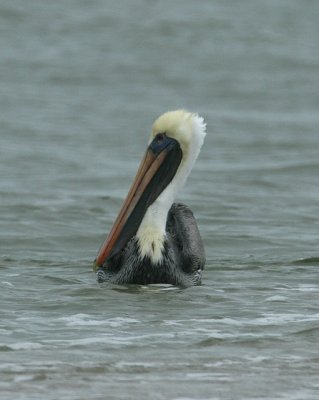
<point x="173" y="147"/>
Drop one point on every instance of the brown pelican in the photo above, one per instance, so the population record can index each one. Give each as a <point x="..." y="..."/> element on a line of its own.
<point x="153" y="239"/>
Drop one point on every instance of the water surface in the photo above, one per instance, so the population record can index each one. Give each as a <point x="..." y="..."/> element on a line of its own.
<point x="81" y="84"/>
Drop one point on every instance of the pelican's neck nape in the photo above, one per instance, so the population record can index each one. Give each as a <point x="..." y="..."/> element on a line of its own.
<point x="190" y="131"/>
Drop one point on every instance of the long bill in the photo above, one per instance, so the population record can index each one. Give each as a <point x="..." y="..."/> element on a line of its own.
<point x="155" y="172"/>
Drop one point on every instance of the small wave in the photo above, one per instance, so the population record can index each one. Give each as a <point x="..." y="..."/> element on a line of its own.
<point x="8" y="284"/>
<point x="20" y="346"/>
<point x="152" y="288"/>
<point x="4" y="347"/>
<point x="312" y="330"/>
<point x="276" y="298"/>
<point x="212" y="341"/>
<point x="86" y="320"/>
<point x="307" y="261"/>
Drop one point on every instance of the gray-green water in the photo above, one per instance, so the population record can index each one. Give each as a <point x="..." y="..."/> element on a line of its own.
<point x="81" y="83"/>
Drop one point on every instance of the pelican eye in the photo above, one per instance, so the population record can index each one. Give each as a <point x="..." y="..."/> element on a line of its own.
<point x="160" y="142"/>
<point x="160" y="137"/>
